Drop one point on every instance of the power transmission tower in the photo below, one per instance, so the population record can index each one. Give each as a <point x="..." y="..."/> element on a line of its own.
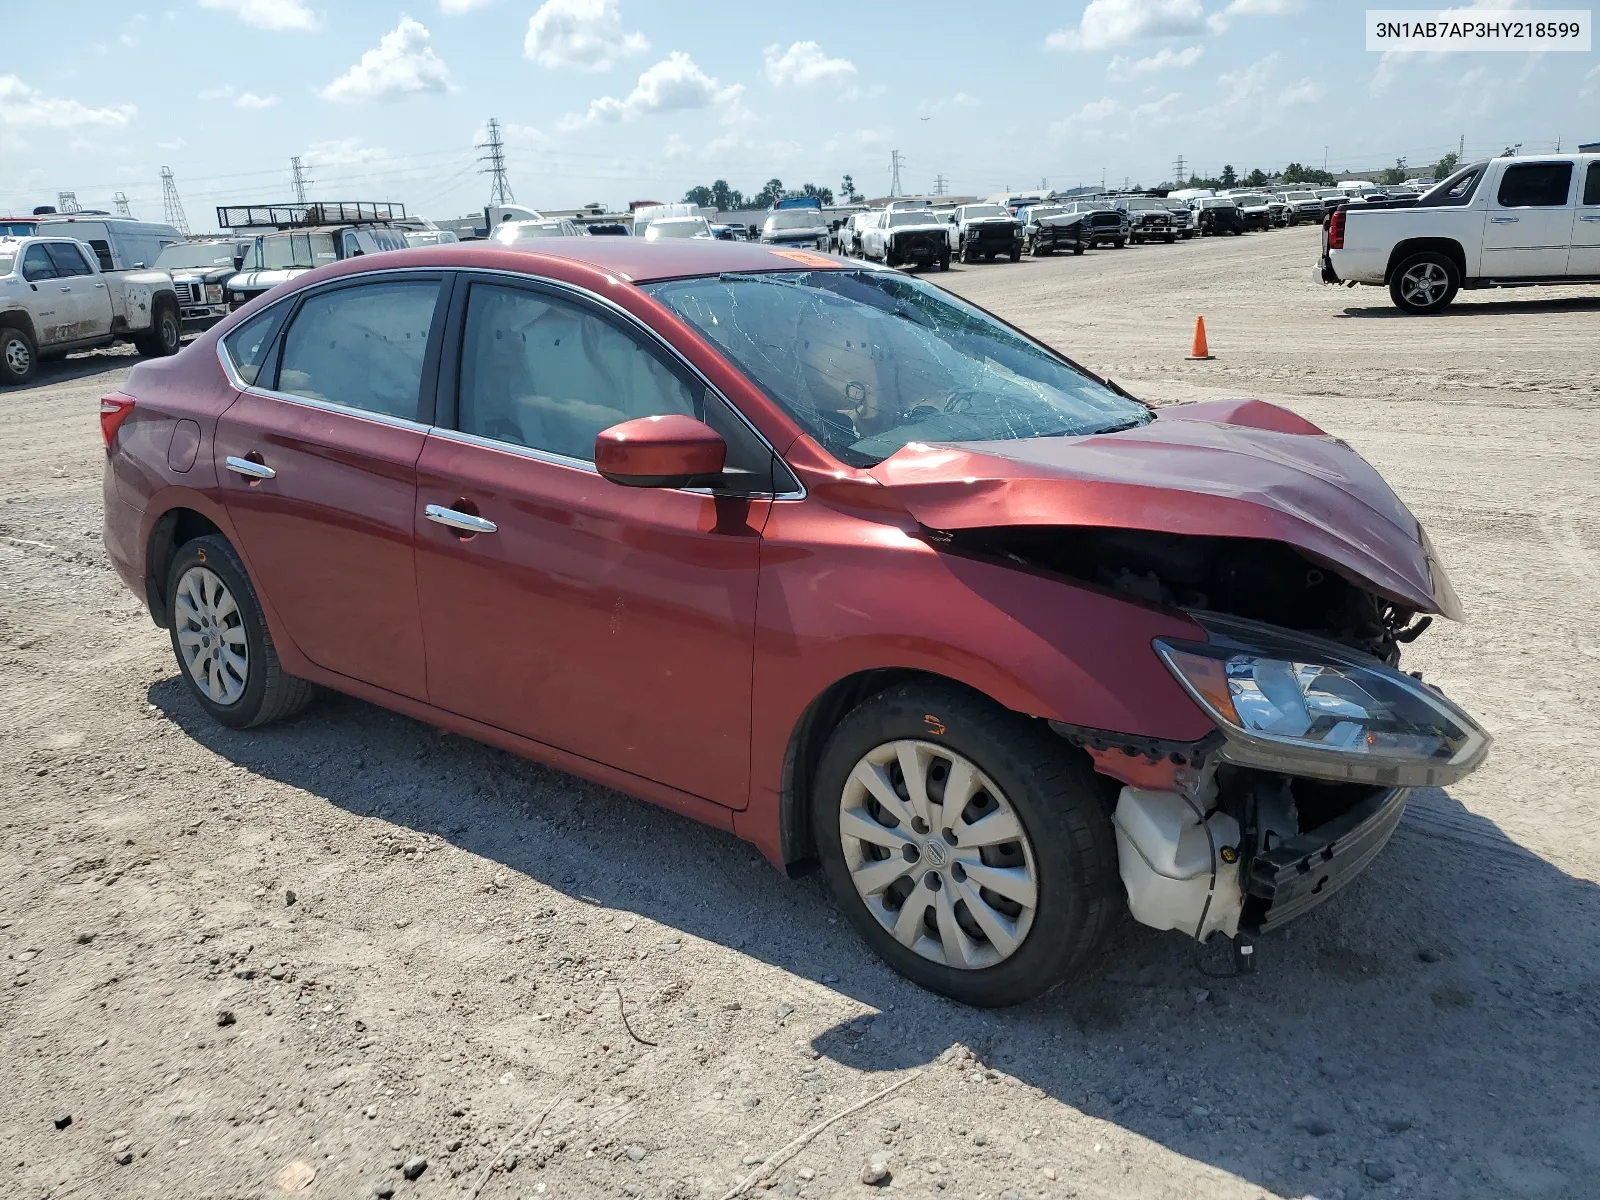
<point x="495" y="156"/>
<point x="120" y="201"/>
<point x="1178" y="177"/>
<point x="895" y="163"/>
<point x="68" y="202"/>
<point x="170" y="204"/>
<point x="300" y="180"/>
<point x="941" y="186"/>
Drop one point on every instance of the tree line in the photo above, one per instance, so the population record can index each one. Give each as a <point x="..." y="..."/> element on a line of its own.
<point x="729" y="199"/>
<point x="1299" y="173"/>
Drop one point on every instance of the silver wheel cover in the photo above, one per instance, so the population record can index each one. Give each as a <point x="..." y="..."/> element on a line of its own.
<point x="938" y="854"/>
<point x="211" y="638"/>
<point x="18" y="357"/>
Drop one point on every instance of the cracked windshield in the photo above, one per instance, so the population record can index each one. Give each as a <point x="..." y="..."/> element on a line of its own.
<point x="868" y="361"/>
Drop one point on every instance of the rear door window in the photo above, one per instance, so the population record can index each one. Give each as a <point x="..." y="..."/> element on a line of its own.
<point x="362" y="346"/>
<point x="102" y="251"/>
<point x="1536" y="185"/>
<point x="69" y="260"/>
<point x="1591" y="184"/>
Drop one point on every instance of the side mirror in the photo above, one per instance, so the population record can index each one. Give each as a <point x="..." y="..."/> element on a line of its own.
<point x="238" y="260"/>
<point x="671" y="451"/>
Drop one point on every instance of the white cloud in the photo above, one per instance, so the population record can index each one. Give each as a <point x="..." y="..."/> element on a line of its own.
<point x="402" y="64"/>
<point x="1307" y="91"/>
<point x="268" y="14"/>
<point x="237" y="98"/>
<point x="343" y="152"/>
<point x="804" y="63"/>
<point x="1115" y="22"/>
<point x="1157" y="110"/>
<point x="1095" y="112"/>
<point x="1591" y="83"/>
<point x="676" y="148"/>
<point x="584" y="34"/>
<point x="454" y="8"/>
<point x="24" y="105"/>
<point x="876" y="138"/>
<point x="1260" y="8"/>
<point x="671" y="85"/>
<point x="1123" y="69"/>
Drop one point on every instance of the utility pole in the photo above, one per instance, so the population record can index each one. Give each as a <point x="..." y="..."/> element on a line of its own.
<point x="494" y="156"/>
<point x="941" y="186"/>
<point x="895" y="163"/>
<point x="1461" y="146"/>
<point x="1178" y="177"/>
<point x="170" y="204"/>
<point x="300" y="180"/>
<point x="120" y="201"/>
<point x="67" y="202"/>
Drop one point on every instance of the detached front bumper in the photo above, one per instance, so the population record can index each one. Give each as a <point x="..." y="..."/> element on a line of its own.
<point x="1296" y="875"/>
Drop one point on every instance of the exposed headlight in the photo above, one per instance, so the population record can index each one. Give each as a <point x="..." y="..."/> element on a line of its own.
<point x="1308" y="707"/>
<point x="213" y="293"/>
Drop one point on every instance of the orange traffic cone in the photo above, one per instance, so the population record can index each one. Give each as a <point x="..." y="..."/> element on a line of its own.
<point x="1200" y="350"/>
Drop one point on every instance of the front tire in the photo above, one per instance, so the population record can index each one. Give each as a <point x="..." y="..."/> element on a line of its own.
<point x="165" y="337"/>
<point x="221" y="640"/>
<point x="1015" y="256"/>
<point x="1078" y="249"/>
<point x="19" y="357"/>
<point x="992" y="903"/>
<point x="1424" y="283"/>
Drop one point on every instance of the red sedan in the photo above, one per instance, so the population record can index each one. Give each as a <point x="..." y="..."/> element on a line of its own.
<point x="816" y="553"/>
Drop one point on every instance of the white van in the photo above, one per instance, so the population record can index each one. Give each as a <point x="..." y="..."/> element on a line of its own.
<point x="119" y="243"/>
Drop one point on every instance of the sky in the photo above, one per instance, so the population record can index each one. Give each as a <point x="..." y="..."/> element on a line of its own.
<point x="619" y="100"/>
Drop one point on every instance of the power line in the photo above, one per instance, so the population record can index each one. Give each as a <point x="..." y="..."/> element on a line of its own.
<point x="495" y="157"/>
<point x="895" y="163"/>
<point x="300" y="180"/>
<point x="170" y="204"/>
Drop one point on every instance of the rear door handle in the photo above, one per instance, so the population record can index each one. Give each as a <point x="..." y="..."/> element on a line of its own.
<point x="66" y="287"/>
<point x="250" y="470"/>
<point x="453" y="519"/>
<point x="1504" y="220"/>
<point x="1596" y="218"/>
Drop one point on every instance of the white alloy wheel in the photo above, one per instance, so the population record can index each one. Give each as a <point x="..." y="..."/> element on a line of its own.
<point x="211" y="637"/>
<point x="938" y="854"/>
<point x="1424" y="284"/>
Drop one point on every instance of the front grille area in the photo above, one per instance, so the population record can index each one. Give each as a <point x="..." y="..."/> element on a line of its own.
<point x="920" y="245"/>
<point x="1106" y="221"/>
<point x="189" y="293"/>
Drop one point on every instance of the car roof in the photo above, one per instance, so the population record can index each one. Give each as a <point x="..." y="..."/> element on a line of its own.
<point x="633" y="259"/>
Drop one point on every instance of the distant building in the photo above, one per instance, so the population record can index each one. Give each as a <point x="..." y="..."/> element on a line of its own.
<point x="1589" y="148"/>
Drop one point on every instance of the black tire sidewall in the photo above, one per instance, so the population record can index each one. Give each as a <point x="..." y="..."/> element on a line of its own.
<point x="216" y="554"/>
<point x="1069" y="830"/>
<point x="167" y="312"/>
<point x="1451" y="274"/>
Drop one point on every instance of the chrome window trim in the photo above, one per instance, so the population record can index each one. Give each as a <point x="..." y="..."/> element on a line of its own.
<point x="559" y="460"/>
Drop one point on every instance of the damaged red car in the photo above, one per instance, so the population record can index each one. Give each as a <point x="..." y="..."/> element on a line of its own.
<point x="816" y="553"/>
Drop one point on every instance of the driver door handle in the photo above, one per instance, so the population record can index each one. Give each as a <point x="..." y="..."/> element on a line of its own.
<point x="453" y="519"/>
<point x="251" y="470"/>
<point x="1504" y="220"/>
<point x="1589" y="218"/>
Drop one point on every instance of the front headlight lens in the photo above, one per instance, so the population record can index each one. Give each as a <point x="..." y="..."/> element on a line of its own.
<point x="213" y="293"/>
<point x="1316" y="709"/>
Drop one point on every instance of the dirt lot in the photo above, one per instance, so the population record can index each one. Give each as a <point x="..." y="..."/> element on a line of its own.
<point x="350" y="942"/>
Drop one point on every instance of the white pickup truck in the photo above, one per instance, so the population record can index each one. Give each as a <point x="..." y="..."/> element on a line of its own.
<point x="56" y="298"/>
<point x="1508" y="222"/>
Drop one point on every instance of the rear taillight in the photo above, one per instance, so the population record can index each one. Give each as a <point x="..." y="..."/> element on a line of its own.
<point x="114" y="410"/>
<point x="1336" y="230"/>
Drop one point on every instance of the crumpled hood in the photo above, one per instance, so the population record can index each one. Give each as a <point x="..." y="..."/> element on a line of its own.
<point x="1241" y="469"/>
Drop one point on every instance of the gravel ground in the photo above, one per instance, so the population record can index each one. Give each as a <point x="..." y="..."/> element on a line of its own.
<point x="351" y="955"/>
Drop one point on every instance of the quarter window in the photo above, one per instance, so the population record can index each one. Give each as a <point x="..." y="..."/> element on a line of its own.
<point x="541" y="372"/>
<point x="361" y="346"/>
<point x="1535" y="185"/>
<point x="102" y="251"/>
<point x="37" y="265"/>
<point x="249" y="345"/>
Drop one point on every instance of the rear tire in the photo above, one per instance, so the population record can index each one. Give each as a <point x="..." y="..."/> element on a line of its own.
<point x="1120" y="243"/>
<point x="1063" y="856"/>
<point x="944" y="261"/>
<point x="1424" y="283"/>
<point x="165" y="337"/>
<point x="19" y="357"/>
<point x="221" y="641"/>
